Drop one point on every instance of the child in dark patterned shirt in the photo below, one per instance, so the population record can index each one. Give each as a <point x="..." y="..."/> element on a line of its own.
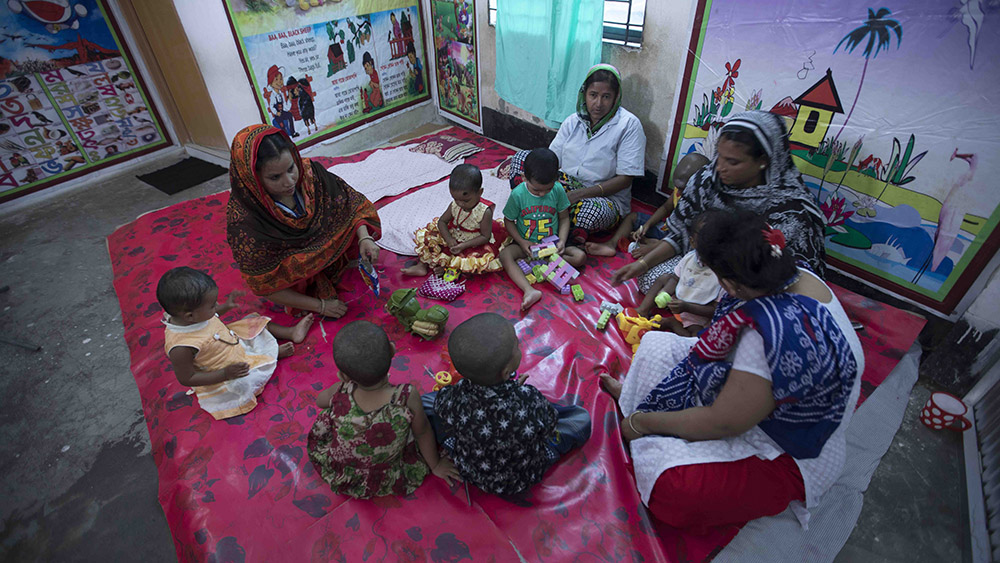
<point x="501" y="433"/>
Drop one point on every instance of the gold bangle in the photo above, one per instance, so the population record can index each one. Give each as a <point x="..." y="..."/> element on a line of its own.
<point x="602" y="189"/>
<point x="643" y="260"/>
<point x="632" y="426"/>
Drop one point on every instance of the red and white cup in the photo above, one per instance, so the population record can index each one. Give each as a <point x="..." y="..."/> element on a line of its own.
<point x="944" y="410"/>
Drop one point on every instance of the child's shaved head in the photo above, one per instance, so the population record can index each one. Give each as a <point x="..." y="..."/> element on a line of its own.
<point x="482" y="346"/>
<point x="363" y="353"/>
<point x="686" y="167"/>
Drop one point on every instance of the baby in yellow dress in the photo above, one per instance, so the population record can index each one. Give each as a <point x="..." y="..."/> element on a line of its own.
<point x="226" y="366"/>
<point x="465" y="238"/>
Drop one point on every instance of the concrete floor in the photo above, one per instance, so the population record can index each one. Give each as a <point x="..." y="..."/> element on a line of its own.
<point x="79" y="483"/>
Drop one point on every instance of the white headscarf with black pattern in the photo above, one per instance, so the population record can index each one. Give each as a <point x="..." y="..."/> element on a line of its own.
<point x="783" y="200"/>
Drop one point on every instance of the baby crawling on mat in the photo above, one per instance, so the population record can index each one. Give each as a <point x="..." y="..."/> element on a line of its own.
<point x="227" y="366"/>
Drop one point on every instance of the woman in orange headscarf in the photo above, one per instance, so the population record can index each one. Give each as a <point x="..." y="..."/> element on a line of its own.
<point x="293" y="226"/>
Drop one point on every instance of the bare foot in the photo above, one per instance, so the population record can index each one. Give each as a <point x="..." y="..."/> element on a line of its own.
<point x="418" y="269"/>
<point x="286" y="349"/>
<point x="599" y="249"/>
<point x="611" y="385"/>
<point x="531" y="297"/>
<point x="301" y="328"/>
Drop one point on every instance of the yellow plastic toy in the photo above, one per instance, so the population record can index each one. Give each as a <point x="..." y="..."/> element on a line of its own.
<point x="634" y="327"/>
<point x="443" y="379"/>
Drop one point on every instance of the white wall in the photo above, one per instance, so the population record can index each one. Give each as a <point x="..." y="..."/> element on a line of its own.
<point x="214" y="47"/>
<point x="984" y="313"/>
<point x="649" y="74"/>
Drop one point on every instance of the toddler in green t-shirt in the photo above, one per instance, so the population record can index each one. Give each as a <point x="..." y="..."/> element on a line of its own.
<point x="537" y="208"/>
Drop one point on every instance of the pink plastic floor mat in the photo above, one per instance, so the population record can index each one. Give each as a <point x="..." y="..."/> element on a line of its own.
<point x="245" y="489"/>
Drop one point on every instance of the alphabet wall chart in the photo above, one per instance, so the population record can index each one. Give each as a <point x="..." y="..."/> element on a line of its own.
<point x="70" y="98"/>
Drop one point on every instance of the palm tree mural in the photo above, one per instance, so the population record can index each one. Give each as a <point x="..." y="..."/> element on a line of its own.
<point x="876" y="29"/>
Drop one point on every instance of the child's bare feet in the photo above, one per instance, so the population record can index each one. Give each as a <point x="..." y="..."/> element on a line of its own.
<point x="531" y="297"/>
<point x="611" y="385"/>
<point x="418" y="269"/>
<point x="286" y="349"/>
<point x="300" y="330"/>
<point x="600" y="249"/>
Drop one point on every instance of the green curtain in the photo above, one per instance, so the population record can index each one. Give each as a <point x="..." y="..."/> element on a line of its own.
<point x="544" y="49"/>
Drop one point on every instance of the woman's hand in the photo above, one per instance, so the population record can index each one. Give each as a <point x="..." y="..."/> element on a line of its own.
<point x="627" y="272"/>
<point x="333" y="308"/>
<point x="638" y="233"/>
<point x="574" y="196"/>
<point x="369" y="250"/>
<point x="445" y="469"/>
<point x="641" y="250"/>
<point x="630" y="429"/>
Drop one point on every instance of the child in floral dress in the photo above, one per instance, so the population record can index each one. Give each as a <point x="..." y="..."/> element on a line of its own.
<point x="465" y="238"/>
<point x="369" y="439"/>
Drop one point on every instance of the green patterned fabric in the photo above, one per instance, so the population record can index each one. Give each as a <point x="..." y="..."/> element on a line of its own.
<point x="581" y="99"/>
<point x="366" y="455"/>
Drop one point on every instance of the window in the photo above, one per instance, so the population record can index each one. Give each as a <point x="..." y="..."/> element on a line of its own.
<point x="811" y="122"/>
<point x="623" y="20"/>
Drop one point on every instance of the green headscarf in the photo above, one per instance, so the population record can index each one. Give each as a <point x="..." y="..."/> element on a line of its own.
<point x="581" y="99"/>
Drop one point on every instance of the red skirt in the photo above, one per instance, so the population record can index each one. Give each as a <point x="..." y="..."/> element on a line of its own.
<point x="697" y="497"/>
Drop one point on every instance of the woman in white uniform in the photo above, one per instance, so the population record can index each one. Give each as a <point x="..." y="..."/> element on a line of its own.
<point x="601" y="149"/>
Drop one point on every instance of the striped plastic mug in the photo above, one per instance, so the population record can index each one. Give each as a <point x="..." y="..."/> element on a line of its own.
<point x="944" y="410"/>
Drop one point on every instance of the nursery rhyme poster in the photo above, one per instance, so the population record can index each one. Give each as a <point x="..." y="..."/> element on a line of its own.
<point x="320" y="67"/>
<point x="893" y="123"/>
<point x="457" y="64"/>
<point x="70" y="99"/>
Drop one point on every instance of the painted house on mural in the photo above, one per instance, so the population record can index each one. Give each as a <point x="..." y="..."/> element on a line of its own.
<point x="816" y="107"/>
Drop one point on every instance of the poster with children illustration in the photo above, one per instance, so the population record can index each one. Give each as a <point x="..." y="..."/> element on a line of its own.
<point x="320" y="68"/>
<point x="70" y="100"/>
<point x="453" y="24"/>
<point x="891" y="121"/>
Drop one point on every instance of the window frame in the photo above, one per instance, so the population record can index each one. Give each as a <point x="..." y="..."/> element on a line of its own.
<point x="628" y="34"/>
